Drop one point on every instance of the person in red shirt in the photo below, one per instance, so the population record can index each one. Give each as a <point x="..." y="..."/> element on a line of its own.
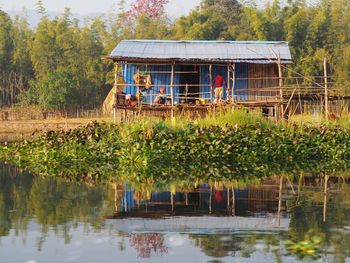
<point x="219" y="83"/>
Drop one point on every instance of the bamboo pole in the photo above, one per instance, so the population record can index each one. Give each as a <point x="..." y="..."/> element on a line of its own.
<point x="280" y="83"/>
<point x="172" y="202"/>
<point x="228" y="97"/>
<point x="115" y="187"/>
<point x="233" y="201"/>
<point x="325" y="190"/>
<point x="228" y="198"/>
<point x="211" y="82"/>
<point x="289" y="101"/>
<point x="325" y="88"/>
<point x="116" y="81"/>
<point x="172" y="92"/>
<point x="233" y="82"/>
<point x="210" y="198"/>
<point x="280" y="200"/>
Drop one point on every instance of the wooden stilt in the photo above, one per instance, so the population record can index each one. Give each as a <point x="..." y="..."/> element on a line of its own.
<point x="116" y="81"/>
<point x="325" y="191"/>
<point x="280" y="84"/>
<point x="289" y="101"/>
<point x="228" y="89"/>
<point x="233" y="201"/>
<point x="228" y="198"/>
<point x="275" y="115"/>
<point x="172" y="202"/>
<point x="280" y="200"/>
<point x="233" y="83"/>
<point x="325" y="89"/>
<point x="172" y="92"/>
<point x="211" y="82"/>
<point x="210" y="198"/>
<point x="115" y="186"/>
<point x="139" y="200"/>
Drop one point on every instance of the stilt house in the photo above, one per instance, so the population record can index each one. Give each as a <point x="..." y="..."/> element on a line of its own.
<point x="253" y="70"/>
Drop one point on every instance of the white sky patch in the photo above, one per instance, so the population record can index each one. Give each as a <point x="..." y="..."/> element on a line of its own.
<point x="176" y="240"/>
<point x="175" y="7"/>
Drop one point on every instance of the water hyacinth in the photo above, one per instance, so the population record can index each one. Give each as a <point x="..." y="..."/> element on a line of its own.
<point x="160" y="152"/>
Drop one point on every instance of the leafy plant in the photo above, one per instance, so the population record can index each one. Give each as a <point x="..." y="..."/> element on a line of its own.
<point x="310" y="247"/>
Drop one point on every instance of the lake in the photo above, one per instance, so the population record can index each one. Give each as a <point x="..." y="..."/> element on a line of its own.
<point x="46" y="219"/>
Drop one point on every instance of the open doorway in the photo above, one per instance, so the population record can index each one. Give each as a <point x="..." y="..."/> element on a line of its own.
<point x="189" y="81"/>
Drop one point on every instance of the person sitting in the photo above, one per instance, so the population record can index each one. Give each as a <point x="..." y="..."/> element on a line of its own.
<point x="161" y="97"/>
<point x="131" y="100"/>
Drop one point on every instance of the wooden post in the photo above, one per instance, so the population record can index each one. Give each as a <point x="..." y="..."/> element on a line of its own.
<point x="228" y="198"/>
<point x="211" y="83"/>
<point x="115" y="187"/>
<point x="289" y="101"/>
<point x="233" y="82"/>
<point x="325" y="197"/>
<point x="233" y="201"/>
<point x="275" y="113"/>
<point x="172" y="91"/>
<point x="280" y="200"/>
<point x="280" y="83"/>
<point x="325" y="89"/>
<point x="228" y="89"/>
<point x="172" y="201"/>
<point x="116" y="81"/>
<point x="210" y="198"/>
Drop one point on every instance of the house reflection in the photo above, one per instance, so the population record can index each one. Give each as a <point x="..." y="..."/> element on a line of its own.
<point x="211" y="207"/>
<point x="202" y="200"/>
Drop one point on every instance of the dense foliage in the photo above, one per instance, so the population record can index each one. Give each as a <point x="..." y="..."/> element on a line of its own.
<point x="31" y="59"/>
<point x="160" y="152"/>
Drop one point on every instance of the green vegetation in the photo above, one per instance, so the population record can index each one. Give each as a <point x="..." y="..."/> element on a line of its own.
<point x="33" y="60"/>
<point x="160" y="153"/>
<point x="306" y="248"/>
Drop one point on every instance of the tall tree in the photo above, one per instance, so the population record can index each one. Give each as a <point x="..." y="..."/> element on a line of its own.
<point x="7" y="93"/>
<point x="22" y="68"/>
<point x="211" y="20"/>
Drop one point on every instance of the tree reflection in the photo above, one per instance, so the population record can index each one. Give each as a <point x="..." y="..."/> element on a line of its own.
<point x="218" y="245"/>
<point x="54" y="204"/>
<point x="61" y="207"/>
<point x="148" y="243"/>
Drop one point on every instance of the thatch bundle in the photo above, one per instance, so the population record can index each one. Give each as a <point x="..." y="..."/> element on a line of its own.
<point x="107" y="107"/>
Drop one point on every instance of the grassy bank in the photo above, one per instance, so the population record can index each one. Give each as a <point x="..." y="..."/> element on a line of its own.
<point x="231" y="146"/>
<point x="23" y="129"/>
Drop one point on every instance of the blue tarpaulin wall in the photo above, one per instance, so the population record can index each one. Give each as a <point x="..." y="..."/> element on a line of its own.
<point x="205" y="79"/>
<point x="241" y="86"/>
<point x="161" y="76"/>
<point x="129" y="203"/>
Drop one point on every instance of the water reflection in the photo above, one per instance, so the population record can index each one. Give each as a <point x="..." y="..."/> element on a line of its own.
<point x="147" y="243"/>
<point x="212" y="222"/>
<point x="201" y="210"/>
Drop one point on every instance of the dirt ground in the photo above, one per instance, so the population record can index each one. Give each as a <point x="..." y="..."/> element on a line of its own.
<point x="16" y="130"/>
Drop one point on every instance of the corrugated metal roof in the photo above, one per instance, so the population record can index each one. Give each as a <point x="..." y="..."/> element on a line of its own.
<point x="261" y="52"/>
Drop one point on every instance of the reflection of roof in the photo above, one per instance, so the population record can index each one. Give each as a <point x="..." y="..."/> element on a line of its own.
<point x="201" y="224"/>
<point x="260" y="52"/>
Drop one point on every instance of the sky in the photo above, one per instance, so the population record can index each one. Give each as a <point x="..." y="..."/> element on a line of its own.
<point x="174" y="8"/>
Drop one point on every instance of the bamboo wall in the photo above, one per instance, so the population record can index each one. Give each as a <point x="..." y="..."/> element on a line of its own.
<point x="263" y="82"/>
